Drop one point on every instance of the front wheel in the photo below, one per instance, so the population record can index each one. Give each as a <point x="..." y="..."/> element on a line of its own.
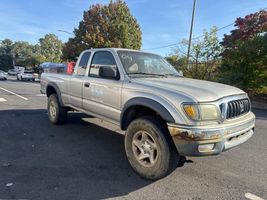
<point x="150" y="149"/>
<point x="57" y="114"/>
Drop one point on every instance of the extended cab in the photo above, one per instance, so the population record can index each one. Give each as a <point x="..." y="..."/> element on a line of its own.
<point x="165" y="115"/>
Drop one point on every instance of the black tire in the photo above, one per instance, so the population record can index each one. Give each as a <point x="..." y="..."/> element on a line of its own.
<point x="33" y="80"/>
<point x="167" y="156"/>
<point x="59" y="113"/>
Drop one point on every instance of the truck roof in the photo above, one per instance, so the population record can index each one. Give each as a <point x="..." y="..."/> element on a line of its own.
<point x="115" y="49"/>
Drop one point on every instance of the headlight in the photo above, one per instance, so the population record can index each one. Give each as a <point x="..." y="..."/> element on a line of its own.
<point x="200" y="112"/>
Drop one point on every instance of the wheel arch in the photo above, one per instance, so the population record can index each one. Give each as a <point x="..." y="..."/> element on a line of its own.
<point x="132" y="106"/>
<point x="52" y="88"/>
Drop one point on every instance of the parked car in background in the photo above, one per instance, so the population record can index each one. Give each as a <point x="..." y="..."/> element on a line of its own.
<point x="19" y="68"/>
<point x="3" y="75"/>
<point x="26" y="76"/>
<point x="13" y="72"/>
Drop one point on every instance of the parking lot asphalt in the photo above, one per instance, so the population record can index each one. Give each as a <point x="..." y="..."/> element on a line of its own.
<point x="82" y="160"/>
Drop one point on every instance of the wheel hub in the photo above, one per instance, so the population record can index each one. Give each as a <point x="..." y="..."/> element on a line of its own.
<point x="52" y="109"/>
<point x="145" y="148"/>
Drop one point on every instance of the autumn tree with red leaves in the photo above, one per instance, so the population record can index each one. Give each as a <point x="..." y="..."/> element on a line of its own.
<point x="244" y="59"/>
<point x="109" y="25"/>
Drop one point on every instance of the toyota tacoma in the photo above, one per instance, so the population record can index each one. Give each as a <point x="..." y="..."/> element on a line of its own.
<point x="164" y="115"/>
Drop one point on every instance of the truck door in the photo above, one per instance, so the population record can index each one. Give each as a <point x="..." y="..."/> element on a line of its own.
<point x="102" y="96"/>
<point x="77" y="79"/>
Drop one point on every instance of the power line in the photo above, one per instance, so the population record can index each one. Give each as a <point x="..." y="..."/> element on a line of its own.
<point x="217" y="30"/>
<point x="194" y="38"/>
<point x="161" y="47"/>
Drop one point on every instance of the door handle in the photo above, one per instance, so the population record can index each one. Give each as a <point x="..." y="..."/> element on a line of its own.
<point x="86" y="84"/>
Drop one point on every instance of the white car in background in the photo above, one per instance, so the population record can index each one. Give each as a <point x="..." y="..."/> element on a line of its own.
<point x="3" y="75"/>
<point x="12" y="72"/>
<point x="25" y="76"/>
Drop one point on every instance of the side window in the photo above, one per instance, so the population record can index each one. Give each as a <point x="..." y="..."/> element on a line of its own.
<point x="81" y="68"/>
<point x="101" y="59"/>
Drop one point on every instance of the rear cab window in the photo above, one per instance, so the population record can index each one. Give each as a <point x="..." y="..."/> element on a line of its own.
<point x="82" y="65"/>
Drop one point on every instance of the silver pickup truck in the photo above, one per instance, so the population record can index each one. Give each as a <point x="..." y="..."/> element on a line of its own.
<point x="165" y="115"/>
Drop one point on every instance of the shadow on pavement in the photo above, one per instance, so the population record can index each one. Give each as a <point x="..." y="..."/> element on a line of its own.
<point x="78" y="160"/>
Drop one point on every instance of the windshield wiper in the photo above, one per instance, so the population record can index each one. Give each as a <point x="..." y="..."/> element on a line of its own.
<point x="175" y="75"/>
<point x="143" y="73"/>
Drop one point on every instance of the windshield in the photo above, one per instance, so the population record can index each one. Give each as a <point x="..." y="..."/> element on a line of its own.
<point x="139" y="63"/>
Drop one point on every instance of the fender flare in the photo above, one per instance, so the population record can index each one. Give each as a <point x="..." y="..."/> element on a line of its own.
<point x="54" y="85"/>
<point x="149" y="103"/>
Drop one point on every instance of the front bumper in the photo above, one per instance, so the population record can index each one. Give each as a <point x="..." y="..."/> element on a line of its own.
<point x="210" y="140"/>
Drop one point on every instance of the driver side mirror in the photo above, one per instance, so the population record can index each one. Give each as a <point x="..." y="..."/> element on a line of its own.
<point x="108" y="72"/>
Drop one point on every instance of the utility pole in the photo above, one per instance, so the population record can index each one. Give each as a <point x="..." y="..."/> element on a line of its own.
<point x="191" y="31"/>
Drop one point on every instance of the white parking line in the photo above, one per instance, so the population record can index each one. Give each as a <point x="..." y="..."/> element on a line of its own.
<point x="252" y="197"/>
<point x="40" y="95"/>
<point x="14" y="94"/>
<point x="2" y="99"/>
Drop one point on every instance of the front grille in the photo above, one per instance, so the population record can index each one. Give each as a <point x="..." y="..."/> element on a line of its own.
<point x="237" y="107"/>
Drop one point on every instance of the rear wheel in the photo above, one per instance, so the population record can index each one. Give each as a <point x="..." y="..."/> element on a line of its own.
<point x="150" y="149"/>
<point x="57" y="114"/>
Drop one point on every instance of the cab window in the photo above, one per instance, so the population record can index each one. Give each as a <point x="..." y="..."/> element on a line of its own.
<point x="81" y="67"/>
<point x="101" y="59"/>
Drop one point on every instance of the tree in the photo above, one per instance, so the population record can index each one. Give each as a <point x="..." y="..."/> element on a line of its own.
<point x="50" y="48"/>
<point x="204" y="56"/>
<point x="109" y="25"/>
<point x="23" y="53"/>
<point x="244" y="61"/>
<point x="179" y="62"/>
<point x="6" y="57"/>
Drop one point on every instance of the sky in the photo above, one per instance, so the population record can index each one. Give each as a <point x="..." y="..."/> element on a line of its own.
<point x="162" y="22"/>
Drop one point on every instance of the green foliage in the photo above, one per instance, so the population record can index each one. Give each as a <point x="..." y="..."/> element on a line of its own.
<point x="6" y="60"/>
<point x="204" y="56"/>
<point x="109" y="25"/>
<point x="179" y="62"/>
<point x="24" y="54"/>
<point x="50" y="48"/>
<point x="245" y="66"/>
<point x="244" y="62"/>
<point x="6" y="46"/>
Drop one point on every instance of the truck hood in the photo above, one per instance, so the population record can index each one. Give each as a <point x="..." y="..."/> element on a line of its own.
<point x="198" y="89"/>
